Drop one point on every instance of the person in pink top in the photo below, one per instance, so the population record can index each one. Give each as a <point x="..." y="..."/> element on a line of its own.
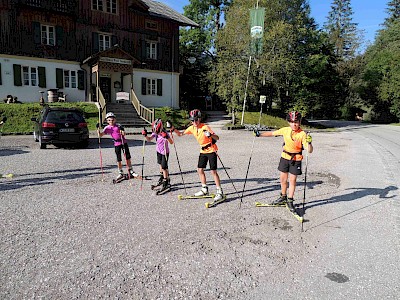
<point x="162" y="139"/>
<point x="118" y="134"/>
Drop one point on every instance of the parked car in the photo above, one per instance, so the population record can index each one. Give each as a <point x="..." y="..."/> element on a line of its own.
<point x="61" y="127"/>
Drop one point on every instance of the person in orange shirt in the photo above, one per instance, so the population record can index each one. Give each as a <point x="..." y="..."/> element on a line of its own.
<point x="207" y="140"/>
<point x="295" y="140"/>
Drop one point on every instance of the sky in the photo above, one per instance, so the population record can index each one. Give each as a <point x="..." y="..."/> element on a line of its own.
<point x="368" y="14"/>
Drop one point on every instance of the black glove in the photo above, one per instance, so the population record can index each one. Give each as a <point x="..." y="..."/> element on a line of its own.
<point x="97" y="125"/>
<point x="256" y="133"/>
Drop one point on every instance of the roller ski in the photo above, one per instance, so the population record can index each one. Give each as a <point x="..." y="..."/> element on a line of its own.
<point x="280" y="202"/>
<point x="219" y="198"/>
<point x="260" y="204"/>
<point x="203" y="193"/>
<point x="9" y="175"/>
<point x="122" y="177"/>
<point x="292" y="209"/>
<point x="165" y="188"/>
<point x="158" y="184"/>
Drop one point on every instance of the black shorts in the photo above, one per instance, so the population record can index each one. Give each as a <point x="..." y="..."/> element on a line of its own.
<point x="162" y="160"/>
<point x="290" y="166"/>
<point x="205" y="157"/>
<point x="118" y="151"/>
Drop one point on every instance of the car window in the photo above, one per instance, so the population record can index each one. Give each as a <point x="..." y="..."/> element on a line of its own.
<point x="64" y="116"/>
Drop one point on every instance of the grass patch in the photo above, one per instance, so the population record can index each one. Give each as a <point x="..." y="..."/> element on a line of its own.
<point x="266" y="120"/>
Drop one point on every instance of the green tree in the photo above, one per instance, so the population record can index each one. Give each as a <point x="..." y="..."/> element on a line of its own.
<point x="393" y="11"/>
<point x="342" y="31"/>
<point x="346" y="39"/>
<point x="381" y="76"/>
<point x="295" y="58"/>
<point x="199" y="43"/>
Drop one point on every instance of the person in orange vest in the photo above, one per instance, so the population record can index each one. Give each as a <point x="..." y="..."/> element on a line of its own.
<point x="207" y="139"/>
<point x="295" y="141"/>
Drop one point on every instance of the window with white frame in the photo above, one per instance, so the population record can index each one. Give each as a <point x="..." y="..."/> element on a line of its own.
<point x="109" y="7"/>
<point x="104" y="41"/>
<point x="30" y="76"/>
<point x="97" y="5"/>
<point x="70" y="79"/>
<point x="151" y="50"/>
<point x="48" y="35"/>
<point x="151" y="86"/>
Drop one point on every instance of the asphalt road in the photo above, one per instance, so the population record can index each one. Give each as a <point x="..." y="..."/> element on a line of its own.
<point x="67" y="232"/>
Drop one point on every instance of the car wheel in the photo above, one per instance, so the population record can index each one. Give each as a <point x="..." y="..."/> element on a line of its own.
<point x="35" y="137"/>
<point x="42" y="145"/>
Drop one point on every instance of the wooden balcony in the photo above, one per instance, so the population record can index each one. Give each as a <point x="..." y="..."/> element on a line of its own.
<point x="63" y="6"/>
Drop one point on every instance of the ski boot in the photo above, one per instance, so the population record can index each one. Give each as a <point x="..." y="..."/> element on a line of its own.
<point x="202" y="192"/>
<point x="166" y="187"/>
<point x="218" y="198"/>
<point x="121" y="176"/>
<point x="132" y="174"/>
<point x="290" y="205"/>
<point x="159" y="183"/>
<point x="281" y="201"/>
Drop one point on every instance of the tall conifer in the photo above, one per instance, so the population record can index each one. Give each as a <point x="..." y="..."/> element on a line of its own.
<point x="341" y="29"/>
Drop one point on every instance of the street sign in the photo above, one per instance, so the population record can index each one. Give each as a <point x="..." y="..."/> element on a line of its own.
<point x="263" y="99"/>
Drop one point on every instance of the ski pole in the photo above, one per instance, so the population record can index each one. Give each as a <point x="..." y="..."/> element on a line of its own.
<point x="101" y="155"/>
<point x="305" y="185"/>
<point x="227" y="174"/>
<point x="251" y="154"/>
<point x="177" y="158"/>
<point x="144" y="143"/>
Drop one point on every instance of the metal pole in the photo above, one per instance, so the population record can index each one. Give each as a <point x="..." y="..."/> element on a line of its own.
<point x="245" y="91"/>
<point x="305" y="185"/>
<point x="251" y="154"/>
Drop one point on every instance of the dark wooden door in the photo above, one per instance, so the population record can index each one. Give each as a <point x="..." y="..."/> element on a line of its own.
<point x="105" y="87"/>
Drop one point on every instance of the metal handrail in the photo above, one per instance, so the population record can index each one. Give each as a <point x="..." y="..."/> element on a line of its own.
<point x="146" y="114"/>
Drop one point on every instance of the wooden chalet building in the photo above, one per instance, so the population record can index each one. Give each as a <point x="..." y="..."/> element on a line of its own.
<point x="90" y="50"/>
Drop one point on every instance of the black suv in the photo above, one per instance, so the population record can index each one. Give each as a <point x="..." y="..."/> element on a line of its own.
<point x="61" y="127"/>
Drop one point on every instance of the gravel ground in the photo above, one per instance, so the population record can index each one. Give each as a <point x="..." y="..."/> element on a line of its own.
<point x="67" y="232"/>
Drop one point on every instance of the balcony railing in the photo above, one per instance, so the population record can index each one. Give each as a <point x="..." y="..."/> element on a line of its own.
<point x="65" y="6"/>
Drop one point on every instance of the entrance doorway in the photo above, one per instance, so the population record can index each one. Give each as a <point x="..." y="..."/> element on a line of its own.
<point x="105" y="87"/>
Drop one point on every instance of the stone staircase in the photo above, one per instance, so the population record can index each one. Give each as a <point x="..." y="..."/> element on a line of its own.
<point x="126" y="115"/>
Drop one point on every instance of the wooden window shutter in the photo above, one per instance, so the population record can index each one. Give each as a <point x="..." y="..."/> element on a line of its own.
<point x="36" y="33"/>
<point x="59" y="36"/>
<point x="95" y="42"/>
<point x="81" y="80"/>
<point x="159" y="52"/>
<point x="42" y="77"/>
<point x="114" y="40"/>
<point x="159" y="87"/>
<point x="144" y="51"/>
<point x="143" y="86"/>
<point x="59" y="78"/>
<point x="17" y="75"/>
<point x="0" y="76"/>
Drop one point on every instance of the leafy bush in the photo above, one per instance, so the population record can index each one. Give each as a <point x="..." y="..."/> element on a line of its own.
<point x="179" y="118"/>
